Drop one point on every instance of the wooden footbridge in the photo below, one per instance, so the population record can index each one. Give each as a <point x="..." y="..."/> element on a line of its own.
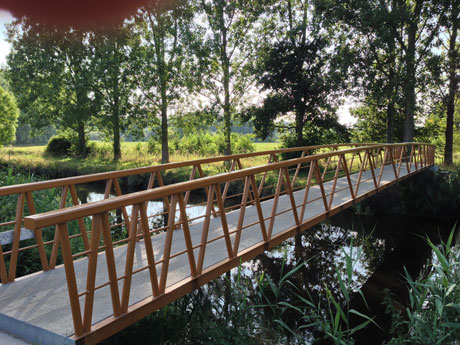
<point x="121" y="262"/>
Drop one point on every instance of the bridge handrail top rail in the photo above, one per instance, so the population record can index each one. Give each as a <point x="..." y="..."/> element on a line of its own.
<point x="50" y="218"/>
<point x="65" y="181"/>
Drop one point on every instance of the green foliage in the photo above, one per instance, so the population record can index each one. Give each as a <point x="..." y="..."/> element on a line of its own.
<point x="59" y="146"/>
<point x="433" y="315"/>
<point x="9" y="114"/>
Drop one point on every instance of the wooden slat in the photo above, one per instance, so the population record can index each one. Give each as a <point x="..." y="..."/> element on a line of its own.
<point x="81" y="222"/>
<point x="54" y="250"/>
<point x="187" y="236"/>
<point x="275" y="204"/>
<point x="259" y="208"/>
<point x="118" y="192"/>
<point x="296" y="173"/>
<point x="382" y="167"/>
<point x="129" y="260"/>
<point x="223" y="219"/>
<point x="16" y="237"/>
<point x="291" y="195"/>
<point x="307" y="190"/>
<point x="227" y="184"/>
<point x="167" y="245"/>
<point x="321" y="186"/>
<point x="37" y="234"/>
<point x="61" y="229"/>
<point x="239" y="227"/>
<point x="361" y="170"/>
<point x="347" y="174"/>
<point x="192" y="177"/>
<point x="334" y="184"/>
<point x="149" y="250"/>
<point x="3" y="273"/>
<point x="161" y="184"/>
<point x="205" y="231"/>
<point x="91" y="274"/>
<point x="372" y="166"/>
<point x="111" y="266"/>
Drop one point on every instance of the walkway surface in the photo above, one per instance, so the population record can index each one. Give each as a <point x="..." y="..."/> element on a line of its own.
<point x="37" y="306"/>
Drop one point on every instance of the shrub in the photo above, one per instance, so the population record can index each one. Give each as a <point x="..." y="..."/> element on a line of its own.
<point x="59" y="145"/>
<point x="153" y="146"/>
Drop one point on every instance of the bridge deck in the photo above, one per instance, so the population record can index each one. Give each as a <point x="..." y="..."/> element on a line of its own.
<point x="37" y="306"/>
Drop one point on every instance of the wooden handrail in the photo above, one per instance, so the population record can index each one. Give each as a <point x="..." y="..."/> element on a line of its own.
<point x="75" y="212"/>
<point x="40" y="185"/>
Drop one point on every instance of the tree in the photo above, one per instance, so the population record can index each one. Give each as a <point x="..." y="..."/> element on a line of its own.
<point x="451" y="21"/>
<point x="9" y="114"/>
<point x="50" y="75"/>
<point x="300" y="72"/>
<point x="163" y="59"/>
<point x="226" y="49"/>
<point x="114" y="85"/>
<point x="396" y="40"/>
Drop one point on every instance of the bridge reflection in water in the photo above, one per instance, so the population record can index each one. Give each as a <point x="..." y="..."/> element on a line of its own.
<point x="109" y="284"/>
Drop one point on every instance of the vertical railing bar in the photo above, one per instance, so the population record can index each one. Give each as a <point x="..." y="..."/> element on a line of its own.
<point x="297" y="169"/>
<point x="262" y="181"/>
<point x="227" y="184"/>
<point x="334" y="184"/>
<point x="116" y="184"/>
<point x="72" y="289"/>
<point x="206" y="189"/>
<point x="161" y="184"/>
<point x="111" y="266"/>
<point x="205" y="231"/>
<point x="382" y="166"/>
<point x="223" y="219"/>
<point x="81" y="222"/>
<point x="192" y="177"/>
<point x="149" y="249"/>
<point x="3" y="273"/>
<point x="37" y="234"/>
<point x="129" y="260"/>
<point x="151" y="180"/>
<point x="291" y="196"/>
<point x="275" y="204"/>
<point x="347" y="174"/>
<point x="187" y="236"/>
<point x="108" y="188"/>
<point x="325" y="169"/>
<point x="401" y="156"/>
<point x="239" y="227"/>
<point x="91" y="275"/>
<point x="168" y="242"/>
<point x="361" y="170"/>
<point x="393" y="162"/>
<point x="16" y="237"/>
<point x="55" y="248"/>
<point x="240" y="166"/>
<point x="372" y="167"/>
<point x="307" y="190"/>
<point x="321" y="186"/>
<point x="259" y="208"/>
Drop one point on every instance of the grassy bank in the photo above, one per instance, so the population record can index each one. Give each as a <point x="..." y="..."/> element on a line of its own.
<point x="34" y="159"/>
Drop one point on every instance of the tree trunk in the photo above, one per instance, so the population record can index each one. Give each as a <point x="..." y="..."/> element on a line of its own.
<point x="453" y="82"/>
<point x="390" y="120"/>
<point x="409" y="125"/>
<point x="116" y="134"/>
<point x="226" y="83"/>
<point x="81" y="146"/>
<point x="164" y="135"/>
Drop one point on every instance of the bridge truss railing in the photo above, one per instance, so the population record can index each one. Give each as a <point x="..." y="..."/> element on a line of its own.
<point x="42" y="248"/>
<point x="313" y="170"/>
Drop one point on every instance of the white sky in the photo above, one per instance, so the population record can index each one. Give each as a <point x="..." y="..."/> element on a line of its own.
<point x="5" y="18"/>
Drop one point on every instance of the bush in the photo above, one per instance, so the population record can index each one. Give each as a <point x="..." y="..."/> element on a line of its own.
<point x="153" y="146"/>
<point x="59" y="145"/>
<point x="208" y="144"/>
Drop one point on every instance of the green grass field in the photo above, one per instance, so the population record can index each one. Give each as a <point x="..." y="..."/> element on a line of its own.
<point x="134" y="154"/>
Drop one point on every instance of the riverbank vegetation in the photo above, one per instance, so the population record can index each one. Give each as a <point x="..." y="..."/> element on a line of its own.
<point x="279" y="71"/>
